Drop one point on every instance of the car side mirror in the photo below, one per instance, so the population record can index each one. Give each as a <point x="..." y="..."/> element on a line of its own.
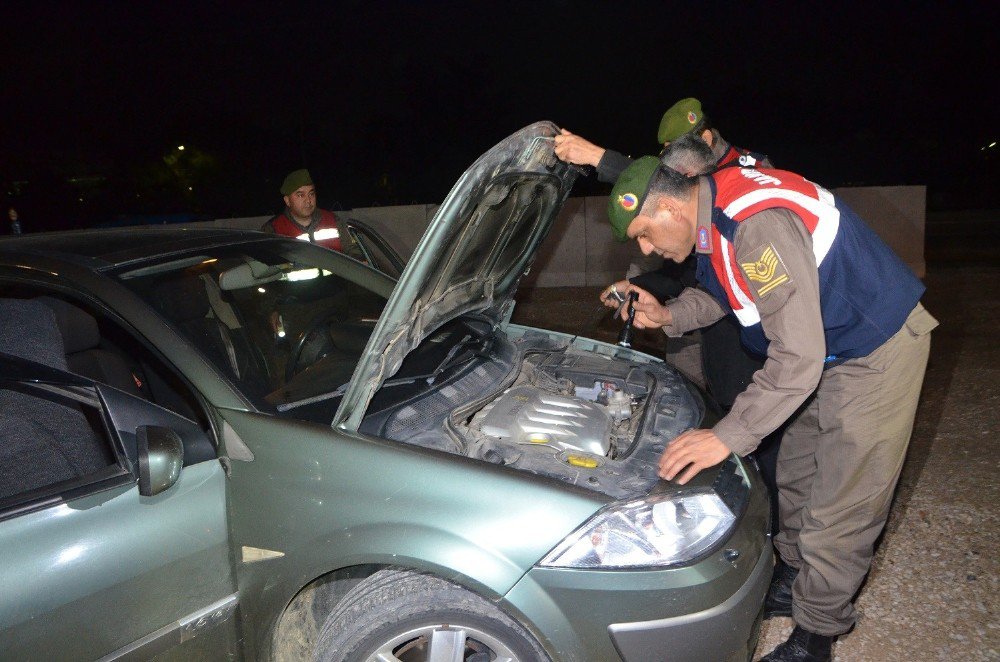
<point x="161" y="456"/>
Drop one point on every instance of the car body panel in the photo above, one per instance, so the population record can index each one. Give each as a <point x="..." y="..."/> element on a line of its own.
<point x="326" y="500"/>
<point x="84" y="578"/>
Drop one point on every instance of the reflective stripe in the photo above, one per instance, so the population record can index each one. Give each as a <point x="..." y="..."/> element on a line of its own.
<point x="747" y="313"/>
<point x="321" y="235"/>
<point x="822" y="208"/>
<point x="327" y="233"/>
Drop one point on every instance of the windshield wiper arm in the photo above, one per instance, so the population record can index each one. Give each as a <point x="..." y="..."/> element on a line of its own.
<point x="340" y="390"/>
<point x="446" y="362"/>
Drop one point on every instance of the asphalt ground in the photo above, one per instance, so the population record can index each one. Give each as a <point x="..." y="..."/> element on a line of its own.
<point x="932" y="591"/>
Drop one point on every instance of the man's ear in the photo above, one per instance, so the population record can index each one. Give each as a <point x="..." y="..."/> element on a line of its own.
<point x="666" y="203"/>
<point x="285" y="198"/>
<point x="707" y="136"/>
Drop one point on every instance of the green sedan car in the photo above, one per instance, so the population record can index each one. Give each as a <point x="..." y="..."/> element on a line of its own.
<point x="218" y="444"/>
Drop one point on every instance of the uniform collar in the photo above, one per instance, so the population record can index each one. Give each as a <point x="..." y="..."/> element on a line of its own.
<point x="719" y="146"/>
<point x="703" y="229"/>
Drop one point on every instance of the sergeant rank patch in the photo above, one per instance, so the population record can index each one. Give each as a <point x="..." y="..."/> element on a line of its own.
<point x="767" y="273"/>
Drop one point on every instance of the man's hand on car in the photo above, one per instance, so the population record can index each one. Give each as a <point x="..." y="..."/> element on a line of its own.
<point x="695" y="450"/>
<point x="571" y="148"/>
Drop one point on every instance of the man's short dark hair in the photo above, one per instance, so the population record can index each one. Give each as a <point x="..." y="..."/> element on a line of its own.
<point x="671" y="184"/>
<point x="689" y="155"/>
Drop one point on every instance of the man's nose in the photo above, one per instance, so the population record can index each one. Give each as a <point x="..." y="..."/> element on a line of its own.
<point x="645" y="247"/>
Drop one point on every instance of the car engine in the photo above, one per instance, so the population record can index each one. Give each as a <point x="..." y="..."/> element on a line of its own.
<point x="540" y="405"/>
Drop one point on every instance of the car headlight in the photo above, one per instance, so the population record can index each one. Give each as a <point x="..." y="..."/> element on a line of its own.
<point x="659" y="530"/>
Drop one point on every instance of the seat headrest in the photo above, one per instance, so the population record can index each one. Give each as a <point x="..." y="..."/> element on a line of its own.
<point x="28" y="330"/>
<point x="181" y="299"/>
<point x="78" y="327"/>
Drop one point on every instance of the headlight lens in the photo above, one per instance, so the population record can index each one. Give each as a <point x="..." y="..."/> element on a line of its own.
<point x="655" y="531"/>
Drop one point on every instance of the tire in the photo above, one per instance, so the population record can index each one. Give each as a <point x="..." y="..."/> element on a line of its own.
<point x="395" y="613"/>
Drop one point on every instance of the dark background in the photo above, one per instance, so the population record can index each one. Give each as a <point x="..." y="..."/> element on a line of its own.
<point x="388" y="102"/>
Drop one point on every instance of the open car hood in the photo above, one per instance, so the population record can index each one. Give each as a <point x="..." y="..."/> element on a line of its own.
<point x="476" y="248"/>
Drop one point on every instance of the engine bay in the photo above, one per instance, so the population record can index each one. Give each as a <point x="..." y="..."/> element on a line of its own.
<point x="539" y="404"/>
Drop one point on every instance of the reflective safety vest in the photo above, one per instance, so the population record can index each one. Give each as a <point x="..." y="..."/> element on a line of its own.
<point x="323" y="231"/>
<point x="866" y="291"/>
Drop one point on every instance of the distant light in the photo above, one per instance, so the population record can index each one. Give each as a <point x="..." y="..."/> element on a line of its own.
<point x="180" y="148"/>
<point x="261" y="290"/>
<point x="80" y="199"/>
<point x="281" y="334"/>
<point x="190" y="189"/>
<point x="993" y="144"/>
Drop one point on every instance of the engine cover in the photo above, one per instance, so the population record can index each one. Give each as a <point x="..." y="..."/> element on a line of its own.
<point x="526" y="415"/>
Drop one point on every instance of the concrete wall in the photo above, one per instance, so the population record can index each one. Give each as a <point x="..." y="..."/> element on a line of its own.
<point x="580" y="250"/>
<point x="898" y="214"/>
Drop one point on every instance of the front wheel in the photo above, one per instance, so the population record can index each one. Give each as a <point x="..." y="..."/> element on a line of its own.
<point x="404" y="616"/>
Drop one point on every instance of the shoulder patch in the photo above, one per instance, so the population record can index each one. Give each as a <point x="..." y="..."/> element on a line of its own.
<point x="704" y="243"/>
<point x="768" y="272"/>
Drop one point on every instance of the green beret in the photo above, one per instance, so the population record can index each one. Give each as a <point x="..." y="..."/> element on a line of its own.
<point x="679" y="119"/>
<point x="295" y="181"/>
<point x="629" y="193"/>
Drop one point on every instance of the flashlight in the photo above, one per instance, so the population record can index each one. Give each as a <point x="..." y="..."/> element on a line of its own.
<point x="625" y="337"/>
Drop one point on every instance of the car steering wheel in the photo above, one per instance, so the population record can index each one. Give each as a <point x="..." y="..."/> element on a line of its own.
<point x="314" y="344"/>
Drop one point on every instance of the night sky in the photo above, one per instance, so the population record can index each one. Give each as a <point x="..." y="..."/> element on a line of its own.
<point x="387" y="103"/>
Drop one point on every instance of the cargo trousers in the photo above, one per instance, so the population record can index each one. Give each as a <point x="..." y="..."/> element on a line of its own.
<point x="840" y="459"/>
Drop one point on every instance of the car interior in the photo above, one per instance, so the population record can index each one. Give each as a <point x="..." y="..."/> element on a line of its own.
<point x="197" y="307"/>
<point x="45" y="438"/>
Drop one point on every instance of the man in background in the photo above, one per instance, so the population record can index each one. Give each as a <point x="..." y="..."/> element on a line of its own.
<point x="302" y="219"/>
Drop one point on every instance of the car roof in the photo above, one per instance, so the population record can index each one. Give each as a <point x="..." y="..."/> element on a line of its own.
<point x="113" y="247"/>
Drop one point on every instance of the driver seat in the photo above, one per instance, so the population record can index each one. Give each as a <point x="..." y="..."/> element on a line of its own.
<point x="185" y="301"/>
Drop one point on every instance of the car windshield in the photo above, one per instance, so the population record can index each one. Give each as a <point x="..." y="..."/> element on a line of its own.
<point x="285" y="324"/>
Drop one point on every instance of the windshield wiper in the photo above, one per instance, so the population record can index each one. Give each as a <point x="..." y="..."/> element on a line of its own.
<point x="447" y="362"/>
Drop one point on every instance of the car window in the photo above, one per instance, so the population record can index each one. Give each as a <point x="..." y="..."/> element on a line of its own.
<point x="276" y="323"/>
<point x="94" y="345"/>
<point x="375" y="251"/>
<point x="48" y="437"/>
<point x="48" y="440"/>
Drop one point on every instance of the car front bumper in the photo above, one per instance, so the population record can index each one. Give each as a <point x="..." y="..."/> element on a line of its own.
<point x="718" y="633"/>
<point x="708" y="610"/>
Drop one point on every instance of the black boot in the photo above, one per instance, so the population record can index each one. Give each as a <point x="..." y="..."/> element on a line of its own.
<point x="802" y="646"/>
<point x="778" y="601"/>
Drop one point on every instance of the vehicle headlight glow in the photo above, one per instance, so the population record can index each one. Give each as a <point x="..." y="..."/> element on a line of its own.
<point x="660" y="530"/>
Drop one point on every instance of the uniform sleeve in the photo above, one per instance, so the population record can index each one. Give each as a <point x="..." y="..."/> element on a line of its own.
<point x="693" y="309"/>
<point x="611" y="166"/>
<point x="774" y="251"/>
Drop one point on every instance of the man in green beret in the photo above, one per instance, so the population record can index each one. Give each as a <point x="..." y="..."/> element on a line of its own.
<point x="714" y="354"/>
<point x="685" y="116"/>
<point x="301" y="218"/>
<point x="838" y="317"/>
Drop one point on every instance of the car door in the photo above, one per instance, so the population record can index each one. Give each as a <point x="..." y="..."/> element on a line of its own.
<point x="375" y="250"/>
<point x="112" y="512"/>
